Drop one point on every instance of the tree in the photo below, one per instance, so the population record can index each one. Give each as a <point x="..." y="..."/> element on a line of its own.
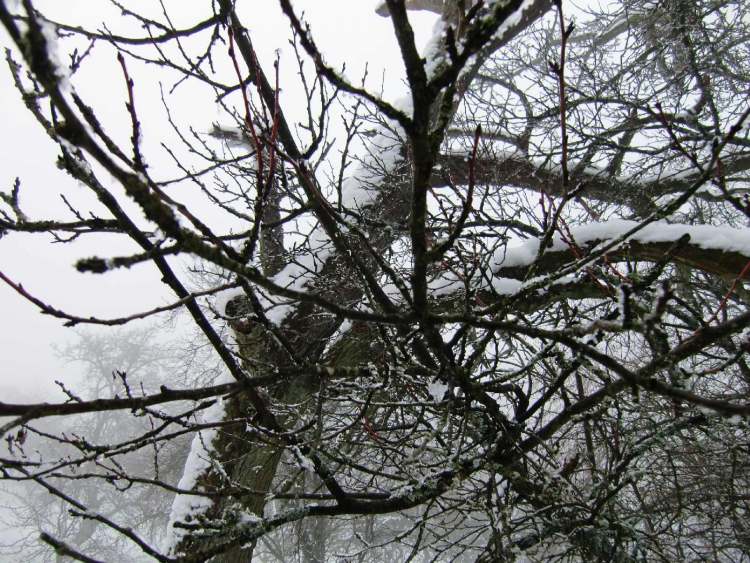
<point x="505" y="316"/>
<point x="141" y="359"/>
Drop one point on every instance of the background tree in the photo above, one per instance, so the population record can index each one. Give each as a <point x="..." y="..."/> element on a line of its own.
<point x="121" y="361"/>
<point x="505" y="315"/>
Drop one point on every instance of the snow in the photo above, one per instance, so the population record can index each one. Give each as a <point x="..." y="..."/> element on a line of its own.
<point x="298" y="273"/>
<point x="222" y="299"/>
<point x="506" y="286"/>
<point x="437" y="390"/>
<point x="622" y="303"/>
<point x="49" y="31"/>
<point x="512" y="20"/>
<point x="659" y="298"/>
<point x="304" y="462"/>
<point x="13" y="6"/>
<point x="381" y="8"/>
<point x="446" y="283"/>
<point x="293" y="276"/>
<point x="361" y="188"/>
<point x="435" y="53"/>
<point x="249" y="520"/>
<point x="187" y="507"/>
<point x="343" y="329"/>
<point x="75" y="154"/>
<point x="233" y="136"/>
<point x="709" y="237"/>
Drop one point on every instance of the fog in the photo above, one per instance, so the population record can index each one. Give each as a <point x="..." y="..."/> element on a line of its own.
<point x="346" y="31"/>
<point x="29" y="341"/>
<point x="503" y="317"/>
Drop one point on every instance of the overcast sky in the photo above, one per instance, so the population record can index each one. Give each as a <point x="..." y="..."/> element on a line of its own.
<point x="346" y="31"/>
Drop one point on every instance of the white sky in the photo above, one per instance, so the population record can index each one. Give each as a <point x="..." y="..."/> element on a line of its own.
<point x="346" y="31"/>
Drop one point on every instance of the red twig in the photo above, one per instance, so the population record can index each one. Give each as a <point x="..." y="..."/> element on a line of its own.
<point x="274" y="128"/>
<point x="729" y="293"/>
<point x="559" y="70"/>
<point x="567" y="237"/>
<point x="248" y="114"/>
<point x="136" y="124"/>
<point x="370" y="430"/>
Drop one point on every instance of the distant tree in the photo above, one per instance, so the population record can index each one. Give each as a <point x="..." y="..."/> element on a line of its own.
<point x="505" y="318"/>
<point x="122" y="361"/>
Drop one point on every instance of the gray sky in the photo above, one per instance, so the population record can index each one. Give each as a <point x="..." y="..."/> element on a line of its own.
<point x="346" y="31"/>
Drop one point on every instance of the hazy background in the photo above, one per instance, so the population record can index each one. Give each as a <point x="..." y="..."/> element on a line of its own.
<point x="346" y="31"/>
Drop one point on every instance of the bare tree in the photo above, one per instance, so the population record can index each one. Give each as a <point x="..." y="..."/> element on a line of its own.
<point x="505" y="316"/>
<point x="123" y="360"/>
